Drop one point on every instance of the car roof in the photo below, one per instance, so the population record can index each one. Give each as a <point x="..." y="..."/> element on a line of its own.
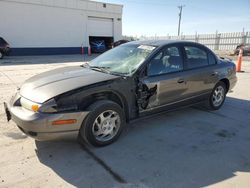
<point x="161" y="42"/>
<point x="2" y="39"/>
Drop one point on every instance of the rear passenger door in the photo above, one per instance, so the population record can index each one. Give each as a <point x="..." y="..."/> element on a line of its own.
<point x="200" y="71"/>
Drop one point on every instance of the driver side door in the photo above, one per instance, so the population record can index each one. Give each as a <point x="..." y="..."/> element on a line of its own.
<point x="163" y="83"/>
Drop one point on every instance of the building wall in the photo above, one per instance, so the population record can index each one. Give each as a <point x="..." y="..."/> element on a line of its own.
<point x="53" y="24"/>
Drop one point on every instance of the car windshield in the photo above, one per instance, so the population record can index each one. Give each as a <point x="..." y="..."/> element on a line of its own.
<point x="123" y="59"/>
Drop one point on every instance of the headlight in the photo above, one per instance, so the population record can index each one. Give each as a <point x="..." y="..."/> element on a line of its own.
<point x="52" y="106"/>
<point x="29" y="104"/>
<point x="49" y="106"/>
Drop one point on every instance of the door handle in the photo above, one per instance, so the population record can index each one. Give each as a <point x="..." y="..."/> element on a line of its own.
<point x="180" y="81"/>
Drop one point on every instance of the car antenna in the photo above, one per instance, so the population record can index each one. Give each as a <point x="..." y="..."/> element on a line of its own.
<point x="9" y="79"/>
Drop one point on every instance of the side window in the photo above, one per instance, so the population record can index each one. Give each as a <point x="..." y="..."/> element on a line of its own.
<point x="166" y="61"/>
<point x="159" y="55"/>
<point x="196" y="57"/>
<point x="211" y="59"/>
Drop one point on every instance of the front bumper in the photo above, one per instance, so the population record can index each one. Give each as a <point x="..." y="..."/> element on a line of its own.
<point x="39" y="125"/>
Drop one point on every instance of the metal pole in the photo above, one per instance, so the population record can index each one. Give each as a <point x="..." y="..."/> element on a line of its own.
<point x="180" y="13"/>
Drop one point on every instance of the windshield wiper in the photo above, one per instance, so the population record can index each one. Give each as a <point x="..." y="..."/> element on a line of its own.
<point x="98" y="68"/>
<point x="85" y="65"/>
<point x="102" y="69"/>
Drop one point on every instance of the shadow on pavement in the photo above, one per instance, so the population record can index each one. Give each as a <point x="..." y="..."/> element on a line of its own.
<point x="186" y="148"/>
<point x="26" y="60"/>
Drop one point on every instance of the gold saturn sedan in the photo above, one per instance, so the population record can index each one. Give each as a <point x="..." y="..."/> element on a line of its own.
<point x="94" y="101"/>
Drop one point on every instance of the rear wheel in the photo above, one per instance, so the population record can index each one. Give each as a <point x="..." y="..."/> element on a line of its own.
<point x="104" y="123"/>
<point x="1" y="55"/>
<point x="217" y="96"/>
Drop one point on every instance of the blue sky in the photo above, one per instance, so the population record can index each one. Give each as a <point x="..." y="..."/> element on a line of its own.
<point x="160" y="17"/>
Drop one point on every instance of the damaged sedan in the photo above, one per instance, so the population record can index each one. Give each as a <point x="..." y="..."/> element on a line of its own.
<point x="95" y="101"/>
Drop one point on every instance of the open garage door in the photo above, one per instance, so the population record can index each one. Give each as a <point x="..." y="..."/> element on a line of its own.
<point x="100" y="32"/>
<point x="100" y="27"/>
<point x="100" y="44"/>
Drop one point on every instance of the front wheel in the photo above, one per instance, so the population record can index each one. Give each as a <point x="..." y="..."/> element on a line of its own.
<point x="217" y="96"/>
<point x="104" y="123"/>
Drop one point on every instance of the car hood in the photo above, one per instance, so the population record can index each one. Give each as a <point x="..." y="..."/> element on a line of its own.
<point x="47" y="85"/>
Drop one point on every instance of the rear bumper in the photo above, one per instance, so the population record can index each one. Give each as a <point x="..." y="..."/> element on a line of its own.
<point x="233" y="82"/>
<point x="39" y="125"/>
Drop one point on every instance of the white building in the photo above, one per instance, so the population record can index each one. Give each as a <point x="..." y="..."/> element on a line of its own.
<point x="36" y="27"/>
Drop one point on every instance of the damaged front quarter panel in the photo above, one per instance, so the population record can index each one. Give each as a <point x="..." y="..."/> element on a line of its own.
<point x="79" y="99"/>
<point x="117" y="90"/>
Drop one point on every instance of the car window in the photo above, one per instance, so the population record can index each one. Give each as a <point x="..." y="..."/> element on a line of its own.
<point x="196" y="57"/>
<point x="211" y="59"/>
<point x="166" y="61"/>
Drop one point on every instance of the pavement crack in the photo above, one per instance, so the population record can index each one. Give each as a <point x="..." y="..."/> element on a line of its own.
<point x="114" y="174"/>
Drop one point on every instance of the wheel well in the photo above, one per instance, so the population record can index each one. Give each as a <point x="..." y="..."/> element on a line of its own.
<point x="86" y="102"/>
<point x="226" y="82"/>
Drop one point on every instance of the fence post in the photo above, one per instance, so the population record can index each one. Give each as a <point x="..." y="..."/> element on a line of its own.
<point x="196" y="37"/>
<point x="217" y="40"/>
<point x="244" y="37"/>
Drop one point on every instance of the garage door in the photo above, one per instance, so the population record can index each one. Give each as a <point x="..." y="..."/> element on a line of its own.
<point x="100" y="26"/>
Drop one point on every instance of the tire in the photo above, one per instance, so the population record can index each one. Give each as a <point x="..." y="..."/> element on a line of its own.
<point x="103" y="125"/>
<point x="1" y="55"/>
<point x="215" y="101"/>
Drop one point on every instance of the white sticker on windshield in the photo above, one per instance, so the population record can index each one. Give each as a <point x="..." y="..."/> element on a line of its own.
<point x="146" y="47"/>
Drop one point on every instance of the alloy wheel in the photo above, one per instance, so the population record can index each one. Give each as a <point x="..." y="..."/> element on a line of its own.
<point x="218" y="96"/>
<point x="106" y="125"/>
